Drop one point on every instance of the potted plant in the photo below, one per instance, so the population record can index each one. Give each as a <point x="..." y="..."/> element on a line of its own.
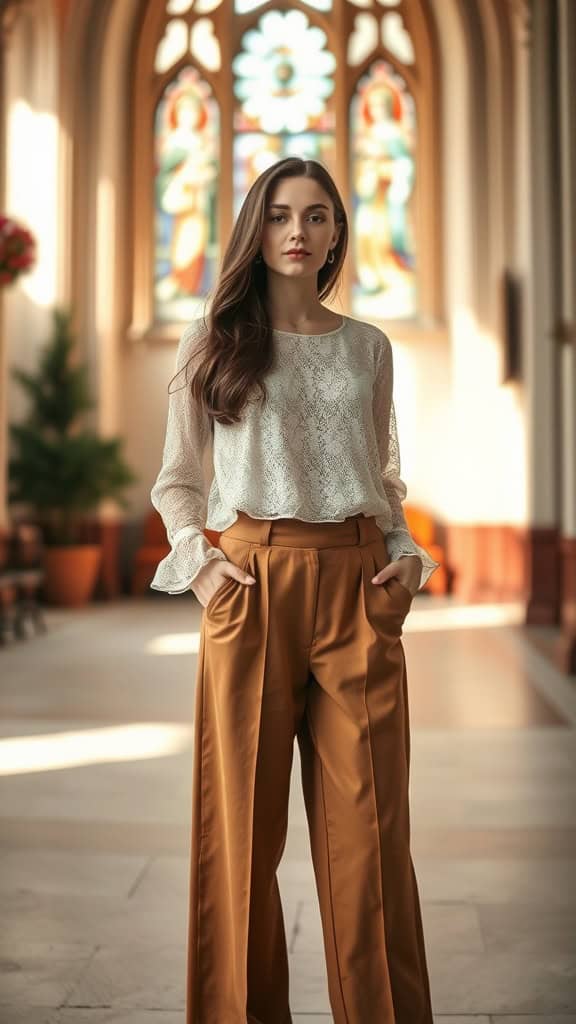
<point x="62" y="469"/>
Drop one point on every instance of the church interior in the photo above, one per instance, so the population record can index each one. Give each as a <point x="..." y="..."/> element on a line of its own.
<point x="131" y="131"/>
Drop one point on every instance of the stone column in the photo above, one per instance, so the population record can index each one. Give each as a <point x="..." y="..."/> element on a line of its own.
<point x="8" y="13"/>
<point x="566" y="325"/>
<point x="538" y="240"/>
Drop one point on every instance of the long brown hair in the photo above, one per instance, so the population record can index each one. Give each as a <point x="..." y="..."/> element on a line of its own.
<point x="238" y="348"/>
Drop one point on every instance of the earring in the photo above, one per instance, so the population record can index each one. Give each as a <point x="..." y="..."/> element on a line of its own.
<point x="331" y="257"/>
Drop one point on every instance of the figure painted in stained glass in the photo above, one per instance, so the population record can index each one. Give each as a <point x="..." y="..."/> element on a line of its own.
<point x="185" y="182"/>
<point x="284" y="81"/>
<point x="383" y="183"/>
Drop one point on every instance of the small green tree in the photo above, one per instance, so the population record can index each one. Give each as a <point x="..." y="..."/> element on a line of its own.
<point x="59" y="468"/>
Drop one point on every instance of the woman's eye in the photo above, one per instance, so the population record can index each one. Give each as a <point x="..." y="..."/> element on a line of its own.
<point x="279" y="216"/>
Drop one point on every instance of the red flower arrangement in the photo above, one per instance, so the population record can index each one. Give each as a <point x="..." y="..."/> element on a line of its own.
<point x="17" y="250"/>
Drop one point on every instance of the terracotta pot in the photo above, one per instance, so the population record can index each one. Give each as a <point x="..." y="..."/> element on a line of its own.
<point x="71" y="573"/>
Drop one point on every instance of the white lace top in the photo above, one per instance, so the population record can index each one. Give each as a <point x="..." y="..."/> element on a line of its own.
<point x="322" y="447"/>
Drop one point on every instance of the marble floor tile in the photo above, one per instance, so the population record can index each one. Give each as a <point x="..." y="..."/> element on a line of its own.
<point x="40" y="974"/>
<point x="161" y="879"/>
<point x="12" y="1014"/>
<point x="451" y="927"/>
<point x="503" y="983"/>
<point x="458" y="1018"/>
<point x="548" y="1018"/>
<point x="534" y="930"/>
<point x="104" y="836"/>
<point x="307" y="930"/>
<point x="540" y="883"/>
<point x="308" y="983"/>
<point x="40" y="870"/>
<point x="139" y="978"/>
<point x="68" y="918"/>
<point x="77" y="1015"/>
<point x="115" y="762"/>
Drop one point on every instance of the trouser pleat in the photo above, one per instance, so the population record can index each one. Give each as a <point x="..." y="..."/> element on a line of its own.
<point x="355" y="781"/>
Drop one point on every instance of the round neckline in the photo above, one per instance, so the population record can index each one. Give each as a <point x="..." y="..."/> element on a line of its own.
<point x="325" y="334"/>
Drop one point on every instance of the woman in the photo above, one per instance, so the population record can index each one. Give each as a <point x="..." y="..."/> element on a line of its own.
<point x="304" y="602"/>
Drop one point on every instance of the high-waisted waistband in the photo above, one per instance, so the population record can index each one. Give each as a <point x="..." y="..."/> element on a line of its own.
<point x="355" y="530"/>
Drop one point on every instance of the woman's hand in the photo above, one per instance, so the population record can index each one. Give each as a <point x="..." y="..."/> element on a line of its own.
<point x="212" y="576"/>
<point x="407" y="568"/>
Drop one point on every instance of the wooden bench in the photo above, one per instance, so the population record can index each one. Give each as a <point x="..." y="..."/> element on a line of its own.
<point x="21" y="580"/>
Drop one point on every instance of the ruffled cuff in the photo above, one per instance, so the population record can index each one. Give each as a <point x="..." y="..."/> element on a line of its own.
<point x="400" y="542"/>
<point x="179" y="569"/>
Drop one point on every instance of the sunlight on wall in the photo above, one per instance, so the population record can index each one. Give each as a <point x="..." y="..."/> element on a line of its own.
<point x="31" y="191"/>
<point x="487" y="442"/>
<point x="462" y="436"/>
<point x="139" y="741"/>
<point x="105" y="355"/>
<point x="106" y="269"/>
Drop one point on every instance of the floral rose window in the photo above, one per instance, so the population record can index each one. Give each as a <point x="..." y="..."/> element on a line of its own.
<point x="283" y="88"/>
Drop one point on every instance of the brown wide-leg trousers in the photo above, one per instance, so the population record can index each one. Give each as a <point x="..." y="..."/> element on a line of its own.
<point x="313" y="650"/>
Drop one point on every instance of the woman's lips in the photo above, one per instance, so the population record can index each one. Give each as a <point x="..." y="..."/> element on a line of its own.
<point x="296" y="255"/>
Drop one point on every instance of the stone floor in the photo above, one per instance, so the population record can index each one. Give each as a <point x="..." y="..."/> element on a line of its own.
<point x="95" y="759"/>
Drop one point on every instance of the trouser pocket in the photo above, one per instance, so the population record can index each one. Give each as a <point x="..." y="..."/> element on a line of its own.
<point x="238" y="552"/>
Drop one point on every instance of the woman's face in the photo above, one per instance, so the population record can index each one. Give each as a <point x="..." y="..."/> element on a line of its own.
<point x="299" y="215"/>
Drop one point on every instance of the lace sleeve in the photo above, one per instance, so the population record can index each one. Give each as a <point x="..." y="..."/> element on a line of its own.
<point x="178" y="493"/>
<point x="399" y="540"/>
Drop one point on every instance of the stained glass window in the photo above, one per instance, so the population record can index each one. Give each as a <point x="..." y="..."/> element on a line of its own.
<point x="180" y="38"/>
<point x="279" y="94"/>
<point x="172" y="46"/>
<point x="183" y="6"/>
<point x="396" y="38"/>
<point x="178" y="6"/>
<point x="382" y="171"/>
<point x="283" y="88"/>
<point x="204" y="45"/>
<point x="187" y="161"/>
<point x="363" y="39"/>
